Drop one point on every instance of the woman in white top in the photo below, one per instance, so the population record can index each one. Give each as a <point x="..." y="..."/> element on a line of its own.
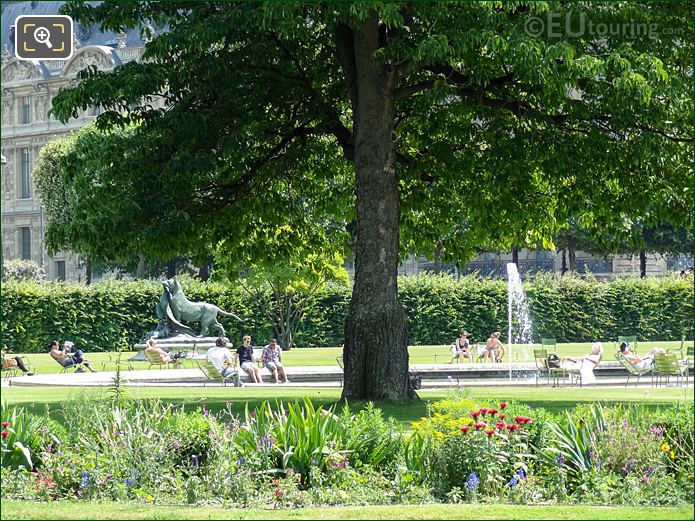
<point x="584" y="365"/>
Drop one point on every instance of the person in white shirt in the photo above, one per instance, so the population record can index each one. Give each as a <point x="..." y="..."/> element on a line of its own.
<point x="585" y="365"/>
<point x="221" y="358"/>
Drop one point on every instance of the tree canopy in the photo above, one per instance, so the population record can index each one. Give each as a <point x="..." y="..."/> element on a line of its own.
<point x="385" y="128"/>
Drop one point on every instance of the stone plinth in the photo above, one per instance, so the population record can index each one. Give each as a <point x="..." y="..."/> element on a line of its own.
<point x="194" y="346"/>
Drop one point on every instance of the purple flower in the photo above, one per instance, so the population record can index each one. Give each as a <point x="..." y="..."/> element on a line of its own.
<point x="591" y="453"/>
<point x="645" y="478"/>
<point x="521" y="473"/>
<point x="512" y="482"/>
<point x="473" y="481"/>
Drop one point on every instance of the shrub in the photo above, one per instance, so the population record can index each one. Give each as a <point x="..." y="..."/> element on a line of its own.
<point x="107" y="314"/>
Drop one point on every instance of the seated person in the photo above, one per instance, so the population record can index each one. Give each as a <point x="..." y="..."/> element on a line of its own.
<point x="644" y="362"/>
<point x="461" y="347"/>
<point x="272" y="358"/>
<point x="244" y="355"/>
<point x="66" y="359"/>
<point x="494" y="349"/>
<point x="221" y="358"/>
<point x="584" y="364"/>
<point x="8" y="363"/>
<point x="166" y="355"/>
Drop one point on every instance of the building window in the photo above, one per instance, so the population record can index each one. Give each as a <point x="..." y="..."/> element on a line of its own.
<point x="26" y="111"/>
<point x="26" y="175"/>
<point x="60" y="270"/>
<point x="25" y="243"/>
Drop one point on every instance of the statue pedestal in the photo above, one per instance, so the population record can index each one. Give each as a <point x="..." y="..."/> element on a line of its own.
<point x="198" y="346"/>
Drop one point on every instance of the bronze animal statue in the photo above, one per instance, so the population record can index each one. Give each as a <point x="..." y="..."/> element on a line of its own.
<point x="179" y="310"/>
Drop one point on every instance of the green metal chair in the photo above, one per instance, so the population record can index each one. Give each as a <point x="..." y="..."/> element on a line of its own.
<point x="549" y="344"/>
<point x="667" y="366"/>
<point x="211" y="373"/>
<point x="9" y="372"/>
<point x="480" y="351"/>
<point x="541" y="358"/>
<point x="631" y="369"/>
<point x="685" y="356"/>
<point x="156" y="360"/>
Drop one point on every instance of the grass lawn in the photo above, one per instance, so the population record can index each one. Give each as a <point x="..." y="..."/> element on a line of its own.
<point x="71" y="510"/>
<point x="327" y="355"/>
<point x="41" y="399"/>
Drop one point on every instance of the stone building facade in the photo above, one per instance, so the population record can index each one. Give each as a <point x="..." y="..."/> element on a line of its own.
<point x="27" y="90"/>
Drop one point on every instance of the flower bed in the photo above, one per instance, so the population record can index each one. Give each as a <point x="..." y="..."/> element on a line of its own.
<point x="300" y="455"/>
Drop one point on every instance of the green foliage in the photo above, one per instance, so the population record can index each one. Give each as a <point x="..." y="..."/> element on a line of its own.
<point x="20" y="438"/>
<point x="112" y="314"/>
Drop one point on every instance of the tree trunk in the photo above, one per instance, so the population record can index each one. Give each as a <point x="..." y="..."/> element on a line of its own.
<point x="171" y="268"/>
<point x="376" y="348"/>
<point x="643" y="264"/>
<point x="572" y="253"/>
<point x="437" y="265"/>
<point x="88" y="271"/>
<point x="140" y="272"/>
<point x="515" y="257"/>
<point x="204" y="271"/>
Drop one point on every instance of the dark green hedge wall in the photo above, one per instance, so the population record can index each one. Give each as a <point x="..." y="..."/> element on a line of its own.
<point x="109" y="314"/>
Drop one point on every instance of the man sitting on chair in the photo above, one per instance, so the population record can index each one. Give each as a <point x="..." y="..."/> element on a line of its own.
<point x="66" y="359"/>
<point x="272" y="358"/>
<point x="221" y="358"/>
<point x="648" y="360"/>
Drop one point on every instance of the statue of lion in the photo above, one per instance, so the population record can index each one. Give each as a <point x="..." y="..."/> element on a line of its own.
<point x="176" y="309"/>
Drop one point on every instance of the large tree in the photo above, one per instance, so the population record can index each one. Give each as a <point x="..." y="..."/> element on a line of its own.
<point x="461" y="126"/>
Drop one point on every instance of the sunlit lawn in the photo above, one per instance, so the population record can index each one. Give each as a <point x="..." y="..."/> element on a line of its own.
<point x="327" y="355"/>
<point x="39" y="399"/>
<point x="74" y="510"/>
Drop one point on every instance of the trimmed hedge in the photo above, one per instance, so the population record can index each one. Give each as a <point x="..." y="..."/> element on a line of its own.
<point x="110" y="314"/>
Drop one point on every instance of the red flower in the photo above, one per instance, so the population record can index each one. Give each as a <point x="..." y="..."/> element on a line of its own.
<point x="501" y="425"/>
<point x="5" y="425"/>
<point x="277" y="492"/>
<point x="4" y="434"/>
<point x="503" y="405"/>
<point x="492" y="411"/>
<point x="484" y="411"/>
<point x="503" y="416"/>
<point x="512" y="427"/>
<point x="475" y="414"/>
<point x="479" y="426"/>
<point x="522" y="420"/>
<point x="465" y="430"/>
<point x="489" y="432"/>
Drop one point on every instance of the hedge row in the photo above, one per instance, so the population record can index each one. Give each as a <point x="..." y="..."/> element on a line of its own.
<point x="108" y="314"/>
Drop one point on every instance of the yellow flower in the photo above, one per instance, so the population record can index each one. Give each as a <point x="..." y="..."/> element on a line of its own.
<point x="665" y="448"/>
<point x="149" y="498"/>
<point x="672" y="455"/>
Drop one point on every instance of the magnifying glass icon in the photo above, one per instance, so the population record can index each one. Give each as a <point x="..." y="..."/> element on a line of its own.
<point x="43" y="35"/>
